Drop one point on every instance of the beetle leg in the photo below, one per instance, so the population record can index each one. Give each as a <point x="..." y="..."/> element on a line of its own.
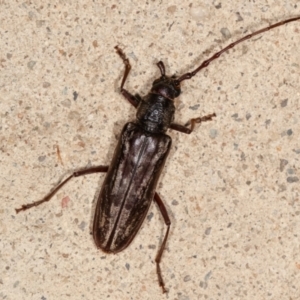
<point x="134" y="100"/>
<point x="192" y="122"/>
<point x="97" y="169"/>
<point x="167" y="220"/>
<point x="126" y="63"/>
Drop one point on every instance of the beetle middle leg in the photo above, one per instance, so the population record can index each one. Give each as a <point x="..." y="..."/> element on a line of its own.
<point x="167" y="220"/>
<point x="97" y="169"/>
<point x="192" y="123"/>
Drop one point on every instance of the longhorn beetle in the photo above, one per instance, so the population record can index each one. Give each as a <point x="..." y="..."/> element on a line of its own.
<point x="132" y="176"/>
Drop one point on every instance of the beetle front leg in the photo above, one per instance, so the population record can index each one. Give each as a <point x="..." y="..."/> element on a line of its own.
<point x="97" y="169"/>
<point x="167" y="220"/>
<point x="192" y="123"/>
<point x="134" y="100"/>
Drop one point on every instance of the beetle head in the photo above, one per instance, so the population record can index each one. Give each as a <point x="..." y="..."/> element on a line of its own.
<point x="168" y="87"/>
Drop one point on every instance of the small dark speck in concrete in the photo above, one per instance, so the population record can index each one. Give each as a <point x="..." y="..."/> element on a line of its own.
<point x="47" y="125"/>
<point x="194" y="107"/>
<point x="75" y="95"/>
<point x="31" y="64"/>
<point x="42" y="158"/>
<point x="174" y="202"/>
<point x="292" y="179"/>
<point x="297" y="151"/>
<point x="239" y="17"/>
<point x="183" y="297"/>
<point x="236" y="117"/>
<point x="281" y="188"/>
<point x="46" y="84"/>
<point x="243" y="156"/>
<point x="127" y="265"/>
<point x="288" y="132"/>
<point x="172" y="9"/>
<point x="82" y="225"/>
<point x="150" y="216"/>
<point x="208" y="230"/>
<point x="284" y="103"/>
<point x="267" y="123"/>
<point x="226" y="33"/>
<point x="187" y="278"/>
<point x="283" y="163"/>
<point x="43" y="298"/>
<point x="213" y="133"/>
<point x="208" y="275"/>
<point x="66" y="103"/>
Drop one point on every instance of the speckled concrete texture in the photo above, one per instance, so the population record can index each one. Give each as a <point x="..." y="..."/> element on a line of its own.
<point x="231" y="187"/>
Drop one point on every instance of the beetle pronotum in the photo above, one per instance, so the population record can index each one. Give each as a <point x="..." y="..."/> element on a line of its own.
<point x="132" y="176"/>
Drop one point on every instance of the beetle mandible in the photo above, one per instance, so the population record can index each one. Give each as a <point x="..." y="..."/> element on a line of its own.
<point x="131" y="178"/>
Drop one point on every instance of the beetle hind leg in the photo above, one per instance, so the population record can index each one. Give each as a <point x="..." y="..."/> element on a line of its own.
<point x="91" y="170"/>
<point x="167" y="220"/>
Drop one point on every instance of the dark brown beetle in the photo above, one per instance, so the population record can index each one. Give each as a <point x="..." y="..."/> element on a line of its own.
<point x="131" y="179"/>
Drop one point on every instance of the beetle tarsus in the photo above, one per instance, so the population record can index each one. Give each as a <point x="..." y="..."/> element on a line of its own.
<point x="192" y="123"/>
<point x="199" y="120"/>
<point x="126" y="63"/>
<point x="160" y="279"/>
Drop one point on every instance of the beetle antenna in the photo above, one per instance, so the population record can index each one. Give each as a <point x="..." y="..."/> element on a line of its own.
<point x="161" y="67"/>
<point x="189" y="75"/>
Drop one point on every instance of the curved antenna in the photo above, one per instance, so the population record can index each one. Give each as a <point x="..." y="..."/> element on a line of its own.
<point x="161" y="67"/>
<point x="189" y="75"/>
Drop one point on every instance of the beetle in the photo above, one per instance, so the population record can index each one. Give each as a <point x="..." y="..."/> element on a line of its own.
<point x="131" y="178"/>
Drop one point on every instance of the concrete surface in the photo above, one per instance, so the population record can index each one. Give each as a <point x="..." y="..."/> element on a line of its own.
<point x="231" y="187"/>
